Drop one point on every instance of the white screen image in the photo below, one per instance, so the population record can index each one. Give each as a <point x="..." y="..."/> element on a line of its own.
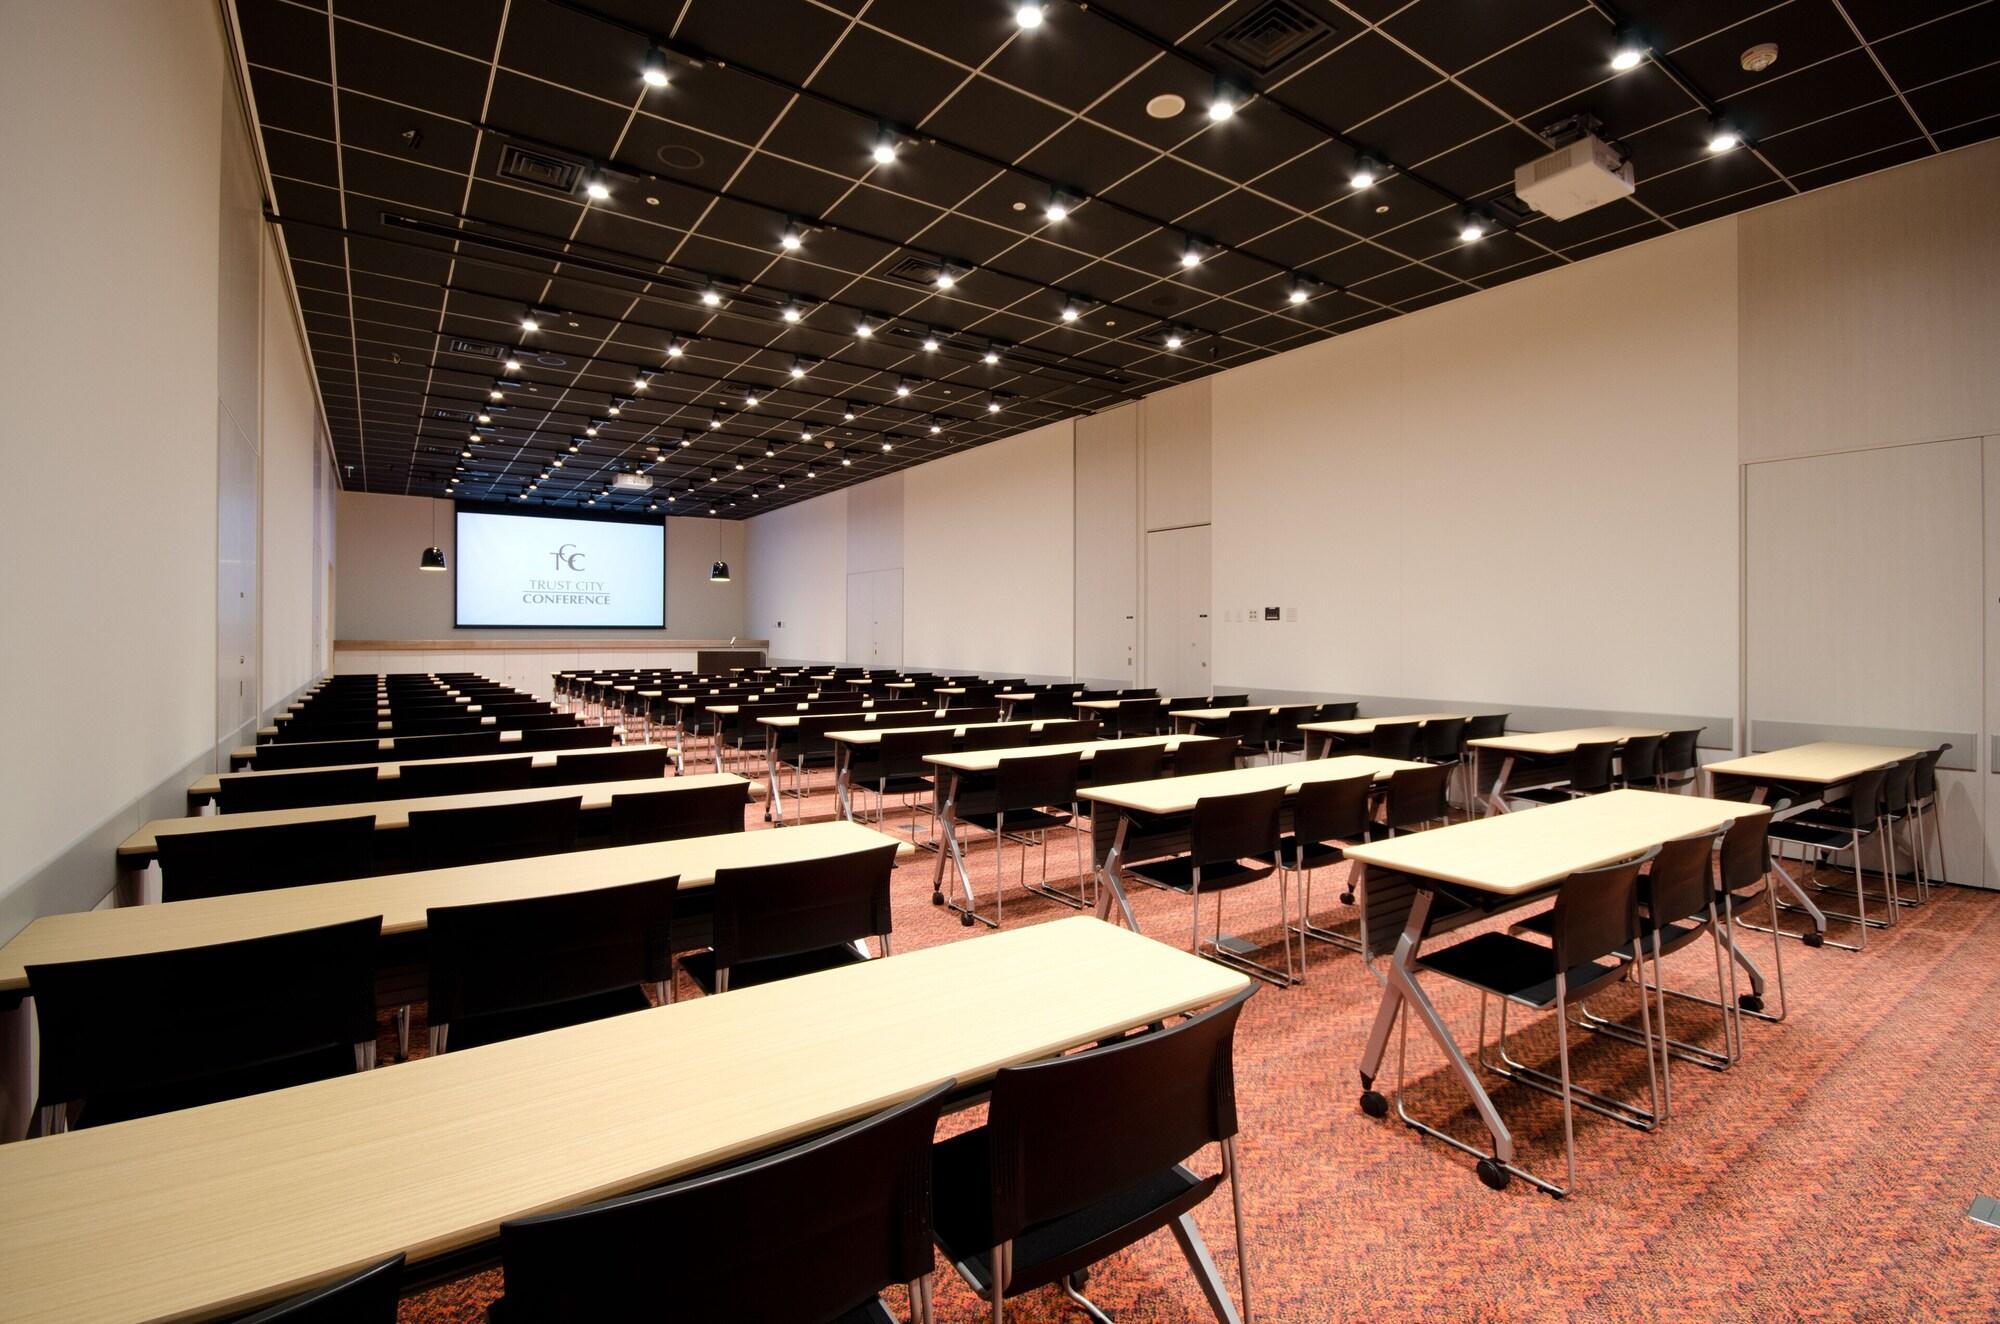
<point x="549" y="571"/>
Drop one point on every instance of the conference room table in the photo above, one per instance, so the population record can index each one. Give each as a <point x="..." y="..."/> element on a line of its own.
<point x="1350" y="728"/>
<point x="1435" y="881"/>
<point x="245" y="754"/>
<point x="970" y="769"/>
<point x="204" y="789"/>
<point x="384" y="725"/>
<point x="1008" y="698"/>
<point x="1167" y="801"/>
<point x="139" y="849"/>
<point x="776" y="724"/>
<point x="1502" y="755"/>
<point x="196" y="1214"/>
<point x="846" y="740"/>
<point x="1819" y="772"/>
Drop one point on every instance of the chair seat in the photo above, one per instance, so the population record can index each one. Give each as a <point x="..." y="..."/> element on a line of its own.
<point x="196" y="1090"/>
<point x="1808" y="834"/>
<point x="1177" y="873"/>
<point x="700" y="966"/>
<point x="495" y="1027"/>
<point x="1672" y="938"/>
<point x="1543" y="795"/>
<point x="1510" y="967"/>
<point x="1318" y="855"/>
<point x="1018" y="820"/>
<point x="904" y="783"/>
<point x="962" y="1203"/>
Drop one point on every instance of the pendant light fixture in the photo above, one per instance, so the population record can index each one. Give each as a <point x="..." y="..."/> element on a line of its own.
<point x="719" y="573"/>
<point x="433" y="557"/>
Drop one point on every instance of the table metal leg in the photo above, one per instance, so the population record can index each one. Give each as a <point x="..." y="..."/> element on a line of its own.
<point x="774" y="804"/>
<point x="843" y="789"/>
<point x="948" y="819"/>
<point x="1496" y="800"/>
<point x="1112" y="877"/>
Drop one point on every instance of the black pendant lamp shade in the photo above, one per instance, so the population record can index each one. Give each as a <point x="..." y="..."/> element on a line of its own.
<point x="433" y="557"/>
<point x="719" y="573"/>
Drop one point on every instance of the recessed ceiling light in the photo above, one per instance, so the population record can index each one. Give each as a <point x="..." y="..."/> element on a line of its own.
<point x="1166" y="105"/>
<point x="652" y="202"/>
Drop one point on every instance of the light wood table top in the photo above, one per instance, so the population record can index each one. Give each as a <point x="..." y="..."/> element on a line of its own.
<point x="1508" y="854"/>
<point x="1824" y="763"/>
<point x="1361" y="726"/>
<point x="190" y="1214"/>
<point x="386" y="744"/>
<point x="379" y="726"/>
<point x="1177" y="795"/>
<point x="396" y="813"/>
<point x="786" y="721"/>
<point x="1560" y="742"/>
<point x="402" y="899"/>
<point x="867" y="735"/>
<point x="986" y="760"/>
<point x="1221" y="714"/>
<point x="1113" y="703"/>
<point x="391" y="771"/>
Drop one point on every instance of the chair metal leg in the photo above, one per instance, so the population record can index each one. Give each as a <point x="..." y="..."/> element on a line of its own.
<point x="1205" y="1272"/>
<point x="1231" y="1162"/>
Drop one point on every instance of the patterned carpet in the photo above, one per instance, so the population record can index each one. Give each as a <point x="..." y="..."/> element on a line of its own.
<point x="1825" y="1176"/>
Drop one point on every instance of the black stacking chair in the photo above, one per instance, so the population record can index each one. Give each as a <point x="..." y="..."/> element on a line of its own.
<point x="1252" y="729"/>
<point x="1486" y="726"/>
<point x="1193" y="757"/>
<point x="1343" y="711"/>
<point x="1012" y="736"/>
<point x="131" y="1036"/>
<point x="367" y="1297"/>
<point x="1680" y="761"/>
<point x="965" y="715"/>
<point x="269" y="757"/>
<point x="1327" y="816"/>
<point x="229" y="861"/>
<point x="1285" y="736"/>
<point x="404" y="748"/>
<point x="1224" y="701"/>
<point x="503" y="969"/>
<point x="1032" y="795"/>
<point x="1394" y="740"/>
<point x="1442" y="741"/>
<point x="1084" y="1155"/>
<point x="1119" y="764"/>
<point x="538" y="741"/>
<point x="1134" y="717"/>
<point x="1052" y="702"/>
<point x="296" y="790"/>
<point x="1415" y="799"/>
<point x="674" y="814"/>
<point x="1744" y="874"/>
<point x="835" y="1220"/>
<point x="1824" y="832"/>
<point x="1594" y="940"/>
<point x="417" y="780"/>
<point x="1064" y="731"/>
<point x="517" y="720"/>
<point x="773" y="921"/>
<point x="441" y="838"/>
<point x="1223" y="831"/>
<point x="1591" y="767"/>
<point x="1639" y="762"/>
<point x="1163" y="719"/>
<point x="895" y="765"/>
<point x="1924" y="812"/>
<point x="620" y="765"/>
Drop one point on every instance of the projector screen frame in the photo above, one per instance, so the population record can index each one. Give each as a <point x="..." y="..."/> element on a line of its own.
<point x="555" y="512"/>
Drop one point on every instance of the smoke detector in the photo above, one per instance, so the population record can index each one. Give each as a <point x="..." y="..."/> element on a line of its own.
<point x="1760" y="57"/>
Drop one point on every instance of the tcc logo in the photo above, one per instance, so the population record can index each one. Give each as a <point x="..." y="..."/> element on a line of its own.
<point x="567" y="559"/>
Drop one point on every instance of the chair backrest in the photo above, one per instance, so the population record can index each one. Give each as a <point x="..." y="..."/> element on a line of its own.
<point x="675" y="813"/>
<point x="902" y="753"/>
<point x="1393" y="740"/>
<point x="1678" y="752"/>
<point x="313" y="753"/>
<point x="448" y="746"/>
<point x="1065" y="731"/>
<point x="440" y="838"/>
<point x="1036" y="781"/>
<point x="229" y="861"/>
<point x="1443" y="738"/>
<point x="366" y="1297"/>
<point x="618" y="765"/>
<point x="423" y="779"/>
<point x="1898" y="782"/>
<point x="1127" y="763"/>
<point x="1223" y="701"/>
<point x="1681" y="880"/>
<point x="1746" y="850"/>
<point x="293" y="790"/>
<point x="1639" y="760"/>
<point x="770" y="910"/>
<point x="1285" y="722"/>
<point x="1485" y="726"/>
<point x="534" y="721"/>
<point x="1073" y="1131"/>
<point x="1051" y="703"/>
<point x="1864" y="798"/>
<point x="1011" y="736"/>
<point x="1345" y="711"/>
<point x="534" y="740"/>
<point x="1250" y="726"/>
<point x="125" y="1024"/>
<point x="1925" y="783"/>
<point x="532" y="951"/>
<point x="1416" y="795"/>
<point x="1135" y="717"/>
<point x="1590" y="765"/>
<point x="1193" y="757"/>
<point x="976" y="714"/>
<point x="836" y="1220"/>
<point x="1334" y="809"/>
<point x="1235" y="827"/>
<point x="1597" y="912"/>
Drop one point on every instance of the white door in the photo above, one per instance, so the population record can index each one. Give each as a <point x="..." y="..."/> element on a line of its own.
<point x="875" y="619"/>
<point x="1177" y="633"/>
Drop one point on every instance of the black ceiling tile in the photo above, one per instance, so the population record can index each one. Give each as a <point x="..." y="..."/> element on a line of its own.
<point x="1124" y="110"/>
<point x="307" y="202"/>
<point x="1087" y="158"/>
<point x="1960" y="100"/>
<point x="1551" y="66"/>
<point x="1455" y="34"/>
<point x="1167" y="189"/>
<point x="289" y="102"/>
<point x="1883" y="18"/>
<point x="995" y="120"/>
<point x="284" y="36"/>
<point x="392" y="67"/>
<point x="557" y="45"/>
<point x="1615" y="215"/>
<point x="1493" y="253"/>
<point x="299" y="157"/>
<point x="1806" y="32"/>
<point x="1298" y="242"/>
<point x="1425" y="236"/>
<point x="1822" y="143"/>
<point x="468" y="26"/>
<point x="418" y="261"/>
<point x="721" y="101"/>
<point x="1107" y="282"/>
<point x="554" y="115"/>
<point x="879" y="211"/>
<point x="1705" y="180"/>
<point x="965" y="32"/>
<point x="1622" y="103"/>
<point x="1974" y="132"/>
<point x="1236" y="218"/>
<point x="396" y="313"/>
<point x="1486" y="163"/>
<point x="1811" y="94"/>
<point x="747" y="35"/>
<point x="1258" y="138"/>
<point x="1668" y="146"/>
<point x="1354" y="264"/>
<point x="1708" y="211"/>
<point x="550" y="215"/>
<point x="614" y="232"/>
<point x="1356" y="82"/>
<point x="1405" y="282"/>
<point x="1531" y="267"/>
<point x="1428" y="124"/>
<point x="392" y="181"/>
<point x="1433" y="298"/>
<point x="1619" y="239"/>
<point x="825" y="137"/>
<point x="775" y="187"/>
<point x="1863" y="163"/>
<point x="1072" y="59"/>
<point x="675" y="153"/>
<point x="399" y="131"/>
<point x="1953" y="45"/>
<point x="1311" y="180"/>
<point x="900" y="82"/>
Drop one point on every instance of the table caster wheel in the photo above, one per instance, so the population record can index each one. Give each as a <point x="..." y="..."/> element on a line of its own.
<point x="1493" y="1174"/>
<point x="1374" y="1103"/>
<point x="965" y="920"/>
<point x="1347" y="898"/>
<point x="1750" y="1002"/>
<point x="1814" y="938"/>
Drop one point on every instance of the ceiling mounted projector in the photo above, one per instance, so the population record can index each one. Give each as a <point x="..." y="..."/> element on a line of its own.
<point x="1571" y="180"/>
<point x="632" y="482"/>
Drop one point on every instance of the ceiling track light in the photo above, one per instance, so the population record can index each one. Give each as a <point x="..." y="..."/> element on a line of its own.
<point x="1175" y="337"/>
<point x="513" y="364"/>
<point x="1472" y="226"/>
<point x="1061" y="204"/>
<point x="1722" y="135"/>
<point x="617" y="405"/>
<point x="791" y="312"/>
<point x="641" y="380"/>
<point x="847" y="412"/>
<point x="1302" y="289"/>
<point x="888" y="142"/>
<point x="711" y="296"/>
<point x="792" y="237"/>
<point x="864" y="328"/>
<point x="994" y="349"/>
<point x="596" y="189"/>
<point x="1366" y="173"/>
<point x="1628" y="50"/>
<point x="904" y="387"/>
<point x="1071" y="310"/>
<point x="1195" y="251"/>
<point x="1224" y="104"/>
<point x="1028" y="15"/>
<point x="949" y="274"/>
<point x="802" y="366"/>
<point x="937" y="424"/>
<point x="996" y="401"/>
<point x="674" y="347"/>
<point x="932" y="340"/>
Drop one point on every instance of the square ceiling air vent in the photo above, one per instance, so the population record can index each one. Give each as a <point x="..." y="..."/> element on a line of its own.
<point x="917" y="270"/>
<point x="525" y="165"/>
<point x="453" y="415"/>
<point x="477" y="348"/>
<point x="1271" y="35"/>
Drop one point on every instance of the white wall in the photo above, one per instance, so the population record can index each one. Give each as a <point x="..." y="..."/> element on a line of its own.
<point x="292" y="450"/>
<point x="795" y="571"/>
<point x="380" y="593"/>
